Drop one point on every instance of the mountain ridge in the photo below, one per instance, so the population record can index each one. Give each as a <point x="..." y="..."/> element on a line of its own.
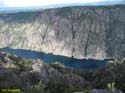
<point x="44" y="7"/>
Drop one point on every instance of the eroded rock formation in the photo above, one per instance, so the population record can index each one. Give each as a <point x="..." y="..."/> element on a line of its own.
<point x="80" y="32"/>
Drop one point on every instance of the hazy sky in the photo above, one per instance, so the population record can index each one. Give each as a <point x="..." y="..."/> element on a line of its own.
<point x="25" y="3"/>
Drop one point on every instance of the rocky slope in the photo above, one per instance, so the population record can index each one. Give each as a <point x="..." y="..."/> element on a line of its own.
<point x="96" y="32"/>
<point x="22" y="73"/>
<point x="35" y="76"/>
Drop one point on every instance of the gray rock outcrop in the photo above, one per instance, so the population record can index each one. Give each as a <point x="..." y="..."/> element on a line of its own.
<point x="96" y="32"/>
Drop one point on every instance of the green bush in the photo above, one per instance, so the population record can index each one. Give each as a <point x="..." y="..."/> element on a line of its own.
<point x="38" y="88"/>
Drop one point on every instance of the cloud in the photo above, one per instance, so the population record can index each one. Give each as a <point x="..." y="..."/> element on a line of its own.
<point x="24" y="3"/>
<point x="1" y="3"/>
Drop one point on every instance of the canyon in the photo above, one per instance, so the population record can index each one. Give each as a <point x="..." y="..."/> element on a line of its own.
<point x="82" y="32"/>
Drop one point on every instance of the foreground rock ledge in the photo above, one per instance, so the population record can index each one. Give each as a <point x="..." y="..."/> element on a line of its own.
<point x="34" y="75"/>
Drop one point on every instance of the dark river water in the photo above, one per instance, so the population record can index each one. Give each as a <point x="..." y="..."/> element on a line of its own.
<point x="50" y="58"/>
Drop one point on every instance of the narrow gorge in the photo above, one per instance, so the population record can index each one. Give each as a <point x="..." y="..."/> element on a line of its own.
<point x="76" y="49"/>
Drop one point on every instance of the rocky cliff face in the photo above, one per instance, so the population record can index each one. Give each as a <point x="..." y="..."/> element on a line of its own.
<point x="81" y="32"/>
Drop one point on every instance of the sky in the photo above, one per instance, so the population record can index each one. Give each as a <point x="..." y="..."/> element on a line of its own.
<point x="26" y="3"/>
